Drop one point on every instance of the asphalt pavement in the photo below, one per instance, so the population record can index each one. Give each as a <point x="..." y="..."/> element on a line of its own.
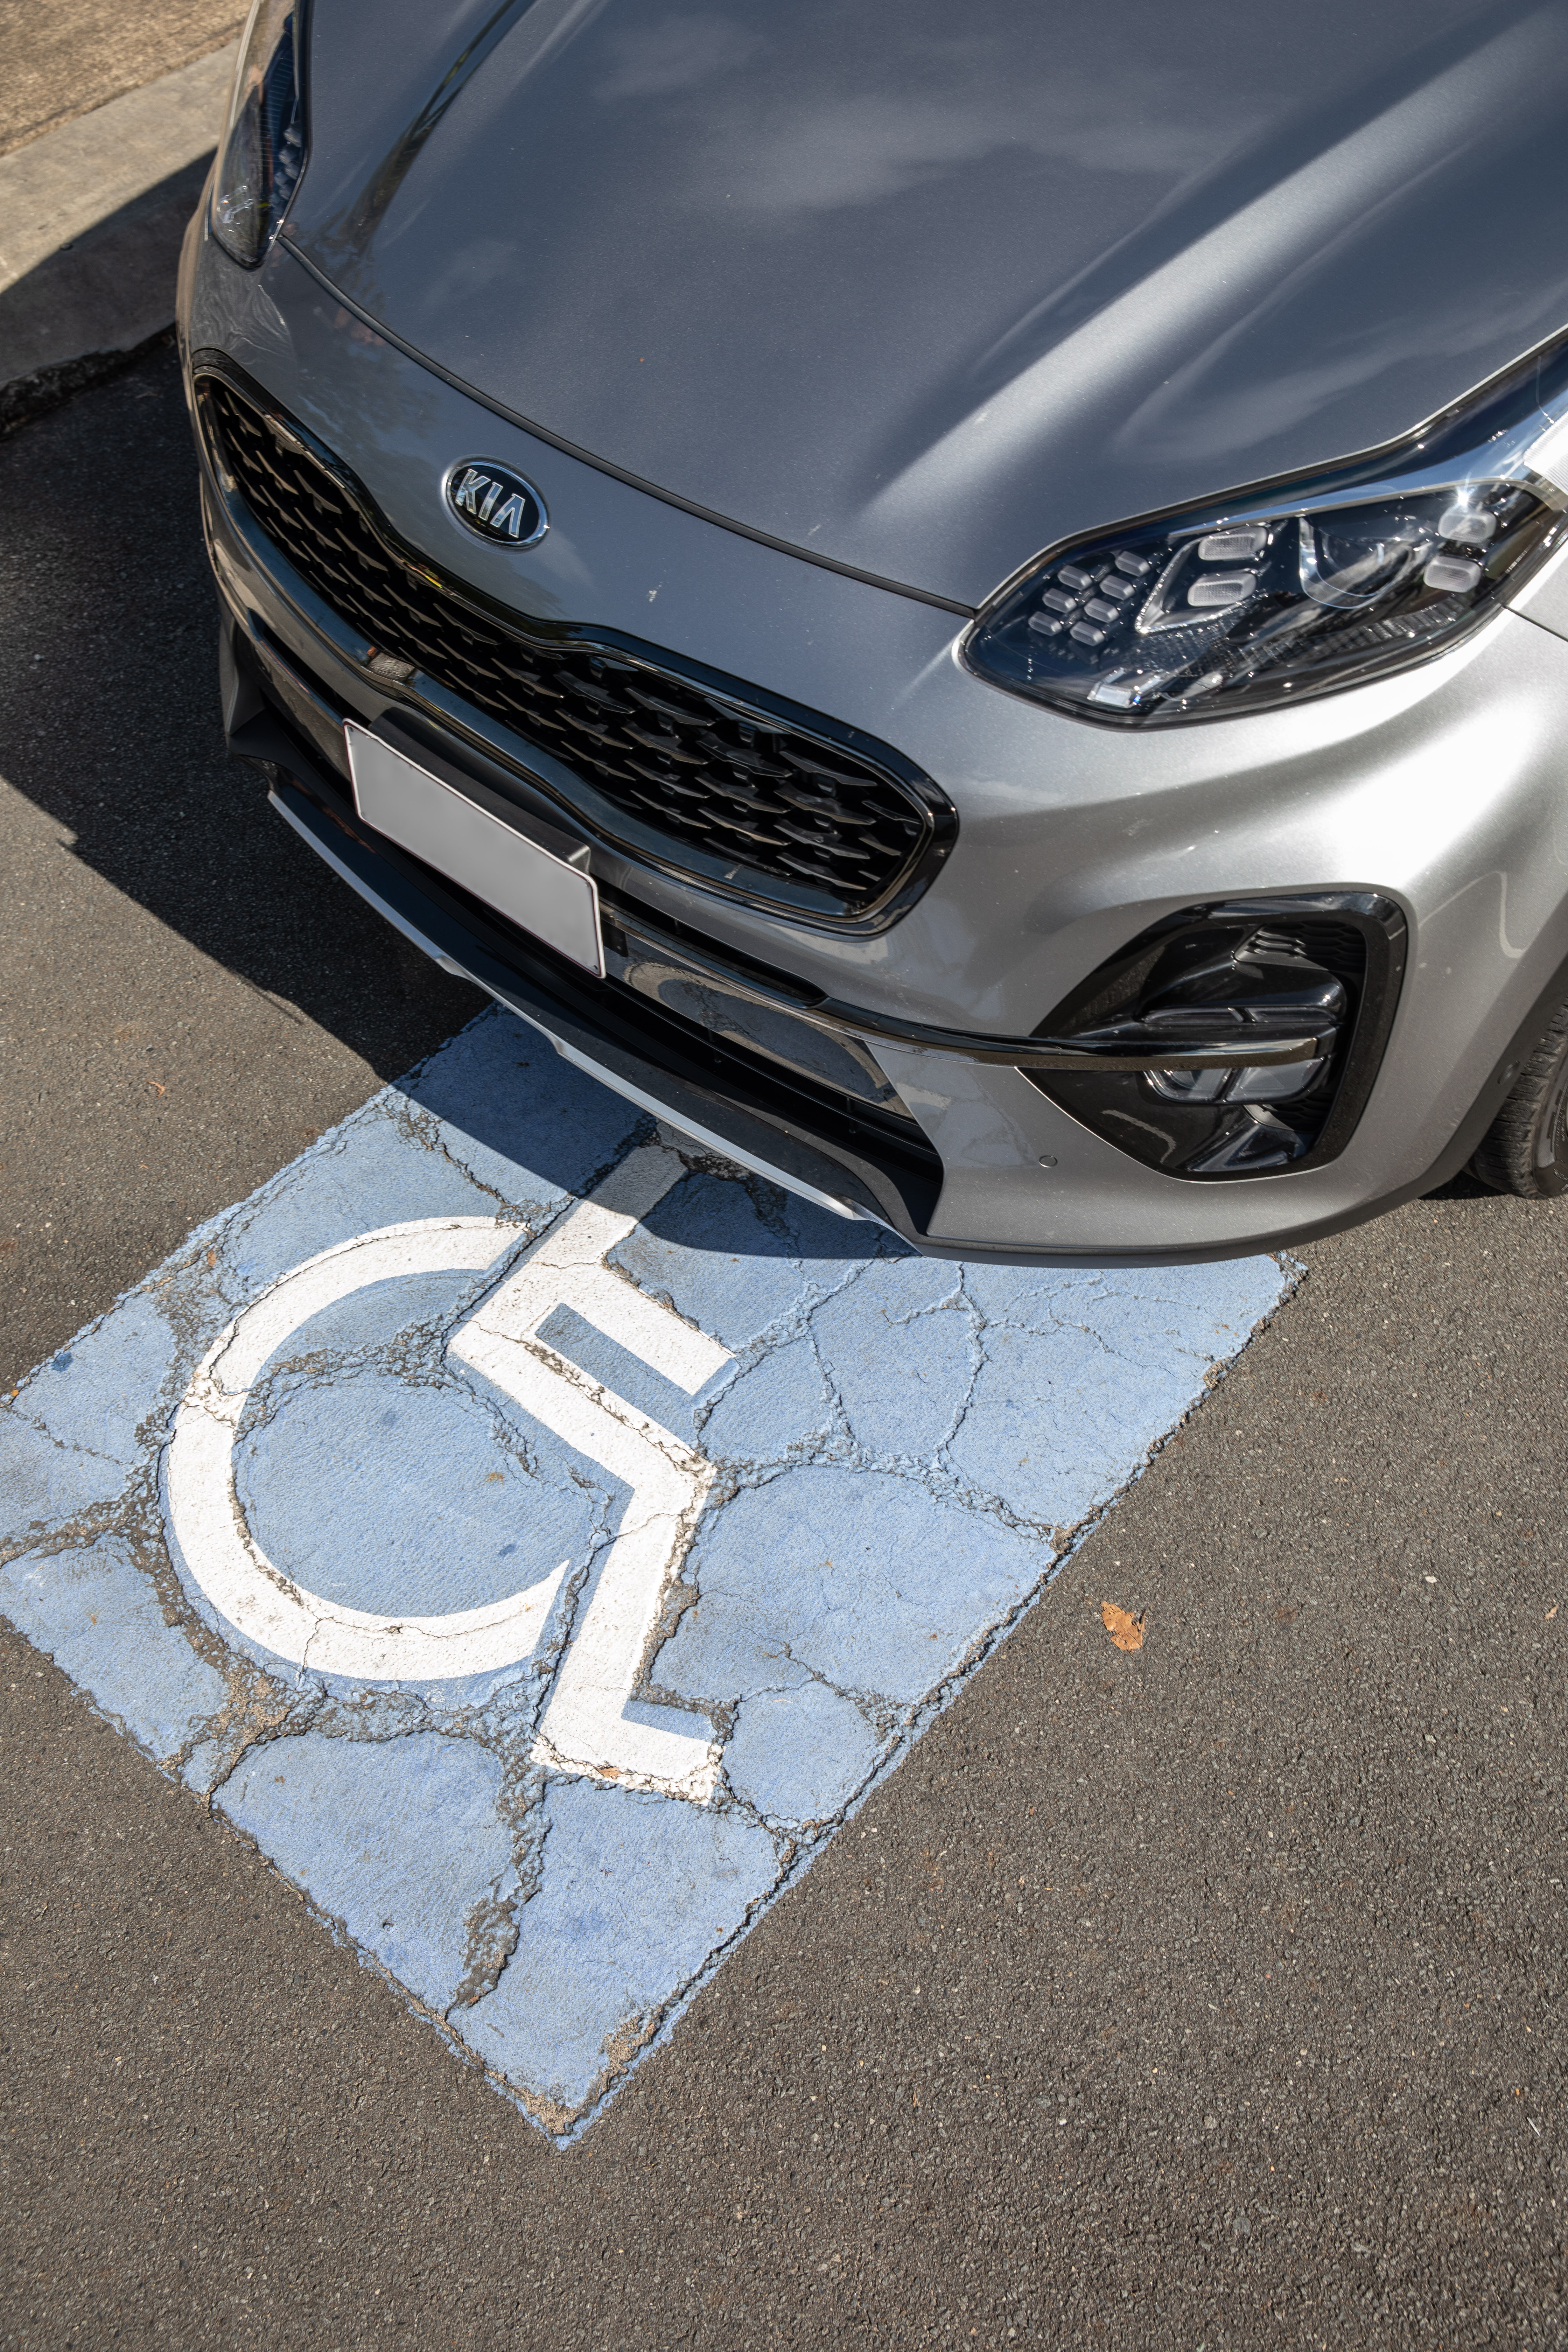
<point x="63" y="60"/>
<point x="91" y="218"/>
<point x="1207" y="1994"/>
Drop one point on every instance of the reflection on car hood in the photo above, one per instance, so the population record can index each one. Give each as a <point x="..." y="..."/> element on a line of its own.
<point x="924" y="288"/>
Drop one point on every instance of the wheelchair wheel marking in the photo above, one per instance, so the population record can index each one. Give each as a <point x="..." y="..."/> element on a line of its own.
<point x="587" y="1727"/>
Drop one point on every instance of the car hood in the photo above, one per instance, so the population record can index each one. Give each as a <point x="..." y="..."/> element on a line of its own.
<point x="920" y="289"/>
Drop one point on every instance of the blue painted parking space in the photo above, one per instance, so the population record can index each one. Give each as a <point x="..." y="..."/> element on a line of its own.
<point x="538" y="1536"/>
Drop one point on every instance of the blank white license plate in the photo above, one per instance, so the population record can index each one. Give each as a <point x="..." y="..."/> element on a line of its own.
<point x="508" y="872"/>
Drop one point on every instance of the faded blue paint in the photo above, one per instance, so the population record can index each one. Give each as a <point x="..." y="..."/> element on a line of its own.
<point x="435" y="1502"/>
<point x="799" y="1751"/>
<point x="636" y="1893"/>
<point x="871" y="1580"/>
<point x="101" y="1619"/>
<point x="399" y="1838"/>
<point x="902" y="1449"/>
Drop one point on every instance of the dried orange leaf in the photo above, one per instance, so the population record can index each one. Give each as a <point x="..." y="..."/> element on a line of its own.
<point x="1125" y="1631"/>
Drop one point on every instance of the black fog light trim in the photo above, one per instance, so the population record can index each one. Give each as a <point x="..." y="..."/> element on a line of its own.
<point x="1326" y="964"/>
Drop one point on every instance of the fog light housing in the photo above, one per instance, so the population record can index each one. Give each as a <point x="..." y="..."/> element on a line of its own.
<point x="1325" y="969"/>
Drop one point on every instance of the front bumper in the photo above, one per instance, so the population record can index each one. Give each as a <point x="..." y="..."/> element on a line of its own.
<point x="835" y="1153"/>
<point x="1438" y="789"/>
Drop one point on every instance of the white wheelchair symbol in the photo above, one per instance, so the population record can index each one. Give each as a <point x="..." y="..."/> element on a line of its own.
<point x="593" y="1724"/>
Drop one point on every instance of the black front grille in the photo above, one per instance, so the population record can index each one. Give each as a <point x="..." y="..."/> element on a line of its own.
<point x="734" y="792"/>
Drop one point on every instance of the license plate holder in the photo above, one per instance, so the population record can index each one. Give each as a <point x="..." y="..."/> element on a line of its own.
<point x="533" y="888"/>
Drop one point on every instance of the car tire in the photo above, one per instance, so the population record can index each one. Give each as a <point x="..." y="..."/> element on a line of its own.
<point x="1525" y="1150"/>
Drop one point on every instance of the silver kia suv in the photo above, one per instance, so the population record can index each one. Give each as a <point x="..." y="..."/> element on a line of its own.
<point x="968" y="605"/>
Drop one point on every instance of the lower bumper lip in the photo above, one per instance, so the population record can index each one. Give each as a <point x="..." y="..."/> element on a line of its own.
<point x="854" y="1171"/>
<point x="826" y="1174"/>
<point x="1259" y="1051"/>
<point x="726" y="1144"/>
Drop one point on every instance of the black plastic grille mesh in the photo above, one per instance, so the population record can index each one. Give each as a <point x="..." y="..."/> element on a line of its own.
<point x="774" y="806"/>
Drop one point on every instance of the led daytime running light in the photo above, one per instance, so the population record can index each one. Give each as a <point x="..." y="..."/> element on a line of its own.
<point x="1298" y="589"/>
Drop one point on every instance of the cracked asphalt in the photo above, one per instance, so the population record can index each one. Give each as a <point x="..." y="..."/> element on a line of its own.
<point x="1206" y="1995"/>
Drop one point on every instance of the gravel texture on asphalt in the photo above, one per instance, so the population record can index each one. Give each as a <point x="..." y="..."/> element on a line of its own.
<point x="1208" y="1994"/>
<point x="65" y="58"/>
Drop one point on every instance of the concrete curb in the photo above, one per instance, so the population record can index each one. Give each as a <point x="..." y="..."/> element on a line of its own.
<point x="93" y="214"/>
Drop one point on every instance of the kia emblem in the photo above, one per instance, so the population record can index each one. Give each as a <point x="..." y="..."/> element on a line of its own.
<point x="496" y="502"/>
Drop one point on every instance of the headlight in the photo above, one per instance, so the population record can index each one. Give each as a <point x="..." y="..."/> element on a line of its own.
<point x="1291" y="588"/>
<point x="263" y="145"/>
